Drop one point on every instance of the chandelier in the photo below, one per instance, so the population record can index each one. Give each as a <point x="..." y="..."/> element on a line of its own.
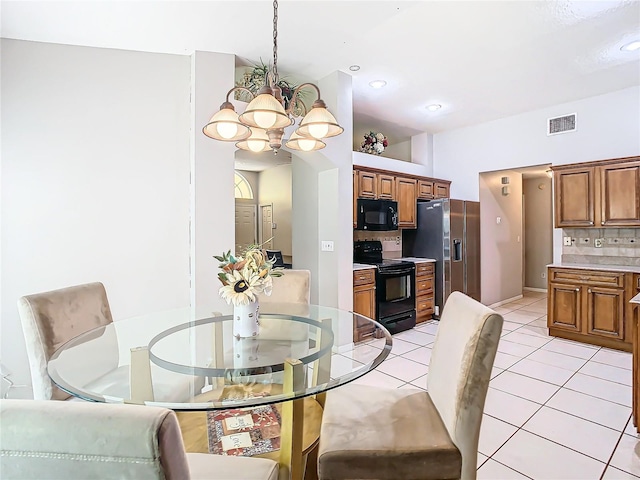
<point x="261" y="127"/>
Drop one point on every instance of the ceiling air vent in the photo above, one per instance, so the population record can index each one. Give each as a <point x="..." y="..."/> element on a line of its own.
<point x="564" y="124"/>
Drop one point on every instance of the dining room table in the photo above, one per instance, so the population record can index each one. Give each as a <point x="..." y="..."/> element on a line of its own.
<point x="261" y="395"/>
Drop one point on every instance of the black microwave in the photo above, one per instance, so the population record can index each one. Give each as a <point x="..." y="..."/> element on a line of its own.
<point x="377" y="215"/>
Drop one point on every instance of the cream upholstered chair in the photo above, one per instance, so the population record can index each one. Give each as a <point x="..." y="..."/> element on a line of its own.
<point x="292" y="287"/>
<point x="50" y="319"/>
<point x="66" y="440"/>
<point x="378" y="433"/>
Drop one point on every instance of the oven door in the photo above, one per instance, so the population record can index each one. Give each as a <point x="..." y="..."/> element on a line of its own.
<point x="395" y="291"/>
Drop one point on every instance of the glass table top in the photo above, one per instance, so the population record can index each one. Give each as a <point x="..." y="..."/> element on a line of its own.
<point x="188" y="359"/>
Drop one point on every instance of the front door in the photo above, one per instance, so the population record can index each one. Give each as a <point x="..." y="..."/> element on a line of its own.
<point x="245" y="227"/>
<point x="266" y="232"/>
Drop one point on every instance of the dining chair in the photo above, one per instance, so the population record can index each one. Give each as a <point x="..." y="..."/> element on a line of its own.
<point x="62" y="440"/>
<point x="294" y="286"/>
<point x="370" y="432"/>
<point x="50" y="319"/>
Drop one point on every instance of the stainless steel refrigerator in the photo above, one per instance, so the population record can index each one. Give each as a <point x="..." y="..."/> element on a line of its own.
<point x="448" y="231"/>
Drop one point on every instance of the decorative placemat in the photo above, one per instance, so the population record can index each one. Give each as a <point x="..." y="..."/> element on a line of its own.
<point x="244" y="431"/>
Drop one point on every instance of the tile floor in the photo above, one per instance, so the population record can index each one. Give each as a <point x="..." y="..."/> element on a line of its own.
<point x="555" y="409"/>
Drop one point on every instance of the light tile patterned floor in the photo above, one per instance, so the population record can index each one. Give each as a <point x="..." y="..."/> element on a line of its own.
<point x="555" y="409"/>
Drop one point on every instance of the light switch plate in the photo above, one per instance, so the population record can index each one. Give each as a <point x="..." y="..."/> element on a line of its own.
<point x="598" y="242"/>
<point x="327" y="246"/>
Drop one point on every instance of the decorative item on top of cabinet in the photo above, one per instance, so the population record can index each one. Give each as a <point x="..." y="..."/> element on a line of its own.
<point x="589" y="306"/>
<point x="364" y="302"/>
<point x="598" y="194"/>
<point x="424" y="291"/>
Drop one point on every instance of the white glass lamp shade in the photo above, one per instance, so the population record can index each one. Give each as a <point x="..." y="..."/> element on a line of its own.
<point x="319" y="123"/>
<point x="306" y="144"/>
<point x="257" y="142"/>
<point x="265" y="112"/>
<point x="225" y="126"/>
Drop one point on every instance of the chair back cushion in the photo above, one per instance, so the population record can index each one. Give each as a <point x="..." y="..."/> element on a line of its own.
<point x="460" y="369"/>
<point x="50" y="319"/>
<point x="293" y="286"/>
<point x="43" y="439"/>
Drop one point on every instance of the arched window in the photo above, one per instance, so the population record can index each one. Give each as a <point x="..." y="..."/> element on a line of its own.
<point x="243" y="188"/>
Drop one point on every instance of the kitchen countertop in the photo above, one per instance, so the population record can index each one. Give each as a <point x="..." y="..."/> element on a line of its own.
<point x="636" y="299"/>
<point x="587" y="266"/>
<point x="417" y="259"/>
<point x="362" y="266"/>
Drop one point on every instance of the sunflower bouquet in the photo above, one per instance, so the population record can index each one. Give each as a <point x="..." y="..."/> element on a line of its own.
<point x="244" y="277"/>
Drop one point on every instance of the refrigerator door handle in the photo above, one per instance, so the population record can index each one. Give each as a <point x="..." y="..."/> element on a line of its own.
<point x="457" y="250"/>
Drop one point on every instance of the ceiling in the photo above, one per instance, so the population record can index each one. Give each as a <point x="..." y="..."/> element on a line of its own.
<point x="481" y="60"/>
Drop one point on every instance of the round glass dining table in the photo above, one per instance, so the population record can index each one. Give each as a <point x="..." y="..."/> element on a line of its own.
<point x="188" y="359"/>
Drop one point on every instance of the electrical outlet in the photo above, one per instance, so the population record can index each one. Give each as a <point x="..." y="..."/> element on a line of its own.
<point x="543" y="275"/>
<point x="327" y="246"/>
<point x="567" y="241"/>
<point x="598" y="242"/>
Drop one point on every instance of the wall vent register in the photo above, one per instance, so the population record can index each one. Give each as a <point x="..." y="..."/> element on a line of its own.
<point x="564" y="124"/>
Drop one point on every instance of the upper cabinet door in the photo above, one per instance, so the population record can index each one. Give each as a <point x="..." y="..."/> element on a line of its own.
<point x="574" y="197"/>
<point x="425" y="189"/>
<point x="620" y="194"/>
<point x="367" y="185"/>
<point x="441" y="190"/>
<point x="386" y="186"/>
<point x="406" y="192"/>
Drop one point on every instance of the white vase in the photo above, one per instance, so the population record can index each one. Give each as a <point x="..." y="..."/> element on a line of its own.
<point x="245" y="320"/>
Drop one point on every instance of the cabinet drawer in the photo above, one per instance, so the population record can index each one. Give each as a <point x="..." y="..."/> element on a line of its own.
<point x="591" y="277"/>
<point x="361" y="334"/>
<point x="424" y="286"/>
<point x="424" y="305"/>
<point x="363" y="277"/>
<point x="424" y="268"/>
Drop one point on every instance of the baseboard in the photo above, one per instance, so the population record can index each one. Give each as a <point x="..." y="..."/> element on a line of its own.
<point x="531" y="289"/>
<point x="508" y="300"/>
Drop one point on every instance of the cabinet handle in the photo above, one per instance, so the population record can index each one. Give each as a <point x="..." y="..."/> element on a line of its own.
<point x="589" y="291"/>
<point x="590" y="223"/>
<point x="368" y="334"/>
<point x="577" y="289"/>
<point x="362" y="278"/>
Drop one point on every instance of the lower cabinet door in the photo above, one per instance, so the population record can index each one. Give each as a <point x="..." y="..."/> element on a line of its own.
<point x="564" y="307"/>
<point x="605" y="312"/>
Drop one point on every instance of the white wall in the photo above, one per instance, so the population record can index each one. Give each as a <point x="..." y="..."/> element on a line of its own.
<point x="501" y="243"/>
<point x="275" y="188"/>
<point x="538" y="230"/>
<point x="95" y="179"/>
<point x="608" y="126"/>
<point x="399" y="151"/>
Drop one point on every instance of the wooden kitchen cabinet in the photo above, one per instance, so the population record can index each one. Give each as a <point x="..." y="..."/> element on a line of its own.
<point x="364" y="303"/>
<point x="424" y="291"/>
<point x="425" y="189"/>
<point x="367" y="184"/>
<point x="386" y="186"/>
<point x="440" y="190"/>
<point x="406" y="190"/>
<point x="598" y="194"/>
<point x="589" y="306"/>
<point x="634" y="314"/>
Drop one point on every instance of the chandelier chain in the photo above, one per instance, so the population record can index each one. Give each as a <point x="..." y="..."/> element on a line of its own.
<point x="275" y="41"/>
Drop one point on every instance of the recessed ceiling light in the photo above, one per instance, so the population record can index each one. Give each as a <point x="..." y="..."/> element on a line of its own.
<point x="433" y="107"/>
<point x="354" y="68"/>
<point x="378" y="83"/>
<point x="631" y="47"/>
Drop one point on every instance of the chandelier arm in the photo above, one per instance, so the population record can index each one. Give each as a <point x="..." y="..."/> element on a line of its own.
<point x="237" y="89"/>
<point x="294" y="97"/>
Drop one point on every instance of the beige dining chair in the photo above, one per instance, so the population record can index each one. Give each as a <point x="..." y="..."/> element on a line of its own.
<point x="389" y="434"/>
<point x="50" y="319"/>
<point x="64" y="440"/>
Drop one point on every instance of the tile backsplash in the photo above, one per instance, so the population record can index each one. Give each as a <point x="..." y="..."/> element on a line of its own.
<point x="391" y="241"/>
<point x="620" y="246"/>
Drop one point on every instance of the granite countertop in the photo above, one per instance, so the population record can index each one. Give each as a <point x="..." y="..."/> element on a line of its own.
<point x="588" y="266"/>
<point x="362" y="266"/>
<point x="417" y="259"/>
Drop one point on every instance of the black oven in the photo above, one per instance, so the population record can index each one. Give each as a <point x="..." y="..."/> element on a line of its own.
<point x="395" y="286"/>
<point x="395" y="296"/>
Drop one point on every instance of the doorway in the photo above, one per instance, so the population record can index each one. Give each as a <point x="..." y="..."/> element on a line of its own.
<point x="266" y="226"/>
<point x="246" y="233"/>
